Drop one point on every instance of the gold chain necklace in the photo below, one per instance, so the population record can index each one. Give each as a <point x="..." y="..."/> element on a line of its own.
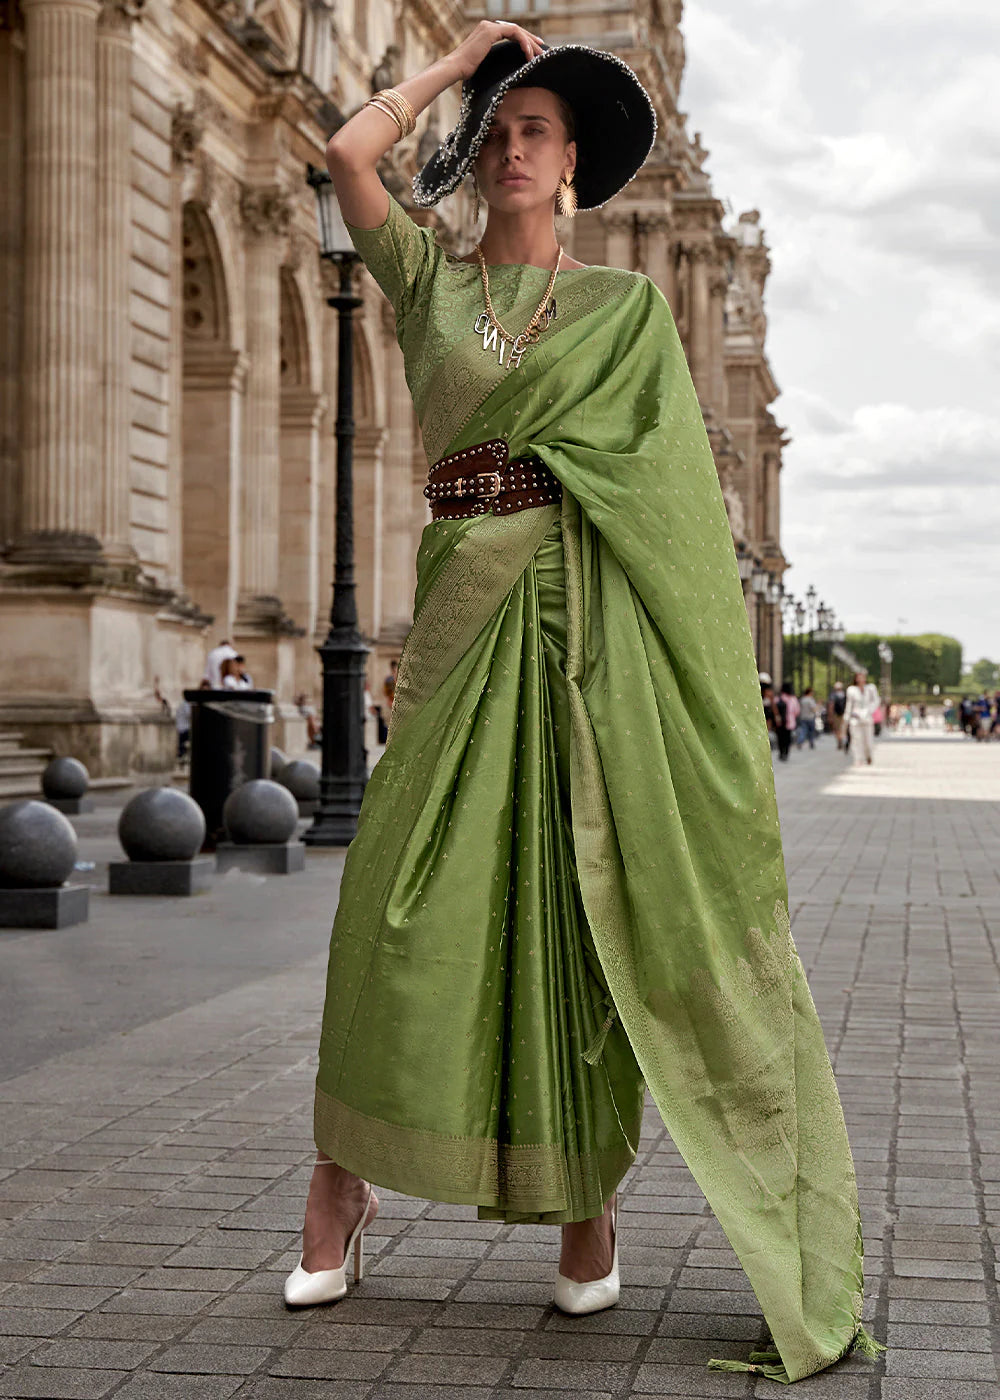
<point x="488" y="324"/>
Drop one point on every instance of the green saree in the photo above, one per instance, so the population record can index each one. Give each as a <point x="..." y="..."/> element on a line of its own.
<point x="568" y="877"/>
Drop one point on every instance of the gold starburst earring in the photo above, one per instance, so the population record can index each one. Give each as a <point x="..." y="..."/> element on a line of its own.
<point x="566" y="197"/>
<point x="475" y="211"/>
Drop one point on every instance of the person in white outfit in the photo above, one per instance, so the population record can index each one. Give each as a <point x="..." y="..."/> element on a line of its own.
<point x="863" y="700"/>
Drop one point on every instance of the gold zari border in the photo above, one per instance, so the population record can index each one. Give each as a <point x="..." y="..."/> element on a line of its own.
<point x="533" y="1183"/>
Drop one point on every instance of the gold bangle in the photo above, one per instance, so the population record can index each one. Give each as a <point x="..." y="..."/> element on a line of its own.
<point x="393" y="103"/>
<point x="404" y="105"/>
<point x="389" y="111"/>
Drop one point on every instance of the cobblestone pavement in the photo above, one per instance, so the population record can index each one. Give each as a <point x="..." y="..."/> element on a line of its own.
<point x="154" y="1143"/>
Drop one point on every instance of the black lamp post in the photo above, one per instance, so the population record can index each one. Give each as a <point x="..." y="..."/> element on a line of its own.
<point x="775" y="592"/>
<point x="759" y="582"/>
<point x="343" y="653"/>
<point x="800" y="617"/>
<point x="811" y="610"/>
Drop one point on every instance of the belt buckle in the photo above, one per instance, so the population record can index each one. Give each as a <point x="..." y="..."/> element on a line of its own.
<point x="486" y="495"/>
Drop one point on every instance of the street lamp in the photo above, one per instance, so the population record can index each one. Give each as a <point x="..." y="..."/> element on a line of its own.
<point x="759" y="579"/>
<point x="811" y="610"/>
<point x="885" y="679"/>
<point x="774" y="595"/>
<point x="344" y="653"/>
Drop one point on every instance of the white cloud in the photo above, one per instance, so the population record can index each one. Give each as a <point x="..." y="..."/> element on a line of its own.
<point x="867" y="138"/>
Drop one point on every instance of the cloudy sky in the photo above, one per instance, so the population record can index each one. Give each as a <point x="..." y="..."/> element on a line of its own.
<point x="867" y="133"/>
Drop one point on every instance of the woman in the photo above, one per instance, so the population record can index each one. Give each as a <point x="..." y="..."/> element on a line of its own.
<point x="788" y="718"/>
<point x="863" y="701"/>
<point x="567" y="878"/>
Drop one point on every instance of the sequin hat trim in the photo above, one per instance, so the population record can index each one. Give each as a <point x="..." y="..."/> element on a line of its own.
<point x="615" y="119"/>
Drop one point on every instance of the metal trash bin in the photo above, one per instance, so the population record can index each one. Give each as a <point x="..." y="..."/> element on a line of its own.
<point x="230" y="744"/>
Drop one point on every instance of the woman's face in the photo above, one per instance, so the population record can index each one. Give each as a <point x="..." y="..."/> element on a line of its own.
<point x="526" y="139"/>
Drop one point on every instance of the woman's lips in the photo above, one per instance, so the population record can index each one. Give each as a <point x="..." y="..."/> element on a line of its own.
<point x="514" y="180"/>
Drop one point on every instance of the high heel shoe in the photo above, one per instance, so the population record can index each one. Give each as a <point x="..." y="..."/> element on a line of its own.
<point x="304" y="1290"/>
<point x="580" y="1298"/>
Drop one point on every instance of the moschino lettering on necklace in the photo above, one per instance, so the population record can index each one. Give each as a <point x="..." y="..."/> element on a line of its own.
<point x="495" y="341"/>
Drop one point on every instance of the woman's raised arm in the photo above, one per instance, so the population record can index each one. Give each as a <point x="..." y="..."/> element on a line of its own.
<point x="354" y="151"/>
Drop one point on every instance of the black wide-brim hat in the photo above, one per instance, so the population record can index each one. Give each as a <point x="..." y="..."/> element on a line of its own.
<point x="615" y="120"/>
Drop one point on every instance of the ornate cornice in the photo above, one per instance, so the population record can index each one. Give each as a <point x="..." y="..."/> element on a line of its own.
<point x="187" y="127"/>
<point x="266" y="210"/>
<point x="116" y="16"/>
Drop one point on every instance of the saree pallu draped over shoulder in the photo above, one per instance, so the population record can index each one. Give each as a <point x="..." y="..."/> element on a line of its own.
<point x="568" y="875"/>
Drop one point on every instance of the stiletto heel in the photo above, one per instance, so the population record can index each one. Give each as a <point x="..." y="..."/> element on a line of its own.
<point x="600" y="1293"/>
<point x="305" y="1290"/>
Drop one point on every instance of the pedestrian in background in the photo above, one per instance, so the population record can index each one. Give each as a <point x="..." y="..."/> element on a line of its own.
<point x="808" y="710"/>
<point x="863" y="700"/>
<point x="835" y="707"/>
<point x="225" y="651"/>
<point x="786" y="718"/>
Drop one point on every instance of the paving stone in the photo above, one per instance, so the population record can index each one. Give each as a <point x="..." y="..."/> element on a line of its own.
<point x="151" y="1386"/>
<point x="447" y="1369"/>
<point x="557" y="1375"/>
<point x="129" y="1326"/>
<point x="328" y="1364"/>
<point x="274" y="1388"/>
<point x="209" y="1359"/>
<point x="945" y="1366"/>
<point x="38" y="1322"/>
<point x="50" y="1383"/>
<point x="931" y="1338"/>
<point x="13" y="1348"/>
<point x="81" y="1352"/>
<point x="909" y="1389"/>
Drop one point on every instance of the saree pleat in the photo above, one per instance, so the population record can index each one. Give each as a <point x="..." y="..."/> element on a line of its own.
<point x="462" y="974"/>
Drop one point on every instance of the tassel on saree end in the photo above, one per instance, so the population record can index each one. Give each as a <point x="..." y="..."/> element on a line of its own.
<point x="595" y="1049"/>
<point x="762" y="1363"/>
<point x="866" y="1344"/>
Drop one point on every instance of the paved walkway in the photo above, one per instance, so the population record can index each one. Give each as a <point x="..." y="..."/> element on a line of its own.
<point x="154" y="1142"/>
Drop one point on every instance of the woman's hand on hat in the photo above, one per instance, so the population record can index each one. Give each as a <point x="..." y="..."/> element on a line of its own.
<point x="474" y="48"/>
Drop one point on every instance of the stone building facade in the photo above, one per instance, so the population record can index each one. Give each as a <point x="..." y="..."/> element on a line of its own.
<point x="168" y="362"/>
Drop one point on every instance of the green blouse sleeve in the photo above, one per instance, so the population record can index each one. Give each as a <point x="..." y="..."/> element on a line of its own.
<point x="399" y="254"/>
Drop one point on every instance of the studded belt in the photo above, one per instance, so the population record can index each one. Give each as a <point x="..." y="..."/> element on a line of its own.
<point x="481" y="480"/>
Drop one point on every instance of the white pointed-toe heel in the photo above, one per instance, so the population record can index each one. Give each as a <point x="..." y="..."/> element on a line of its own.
<point x="580" y="1298"/>
<point x="305" y="1290"/>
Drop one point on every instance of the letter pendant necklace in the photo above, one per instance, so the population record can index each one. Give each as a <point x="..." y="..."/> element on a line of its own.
<point x="495" y="338"/>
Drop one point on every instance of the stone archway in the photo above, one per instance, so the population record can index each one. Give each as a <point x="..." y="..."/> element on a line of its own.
<point x="212" y="382"/>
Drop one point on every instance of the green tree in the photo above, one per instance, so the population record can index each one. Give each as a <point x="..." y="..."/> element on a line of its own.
<point x="926" y="660"/>
<point x="982" y="675"/>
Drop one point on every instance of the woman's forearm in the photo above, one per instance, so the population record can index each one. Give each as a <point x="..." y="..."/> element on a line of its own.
<point x="363" y="140"/>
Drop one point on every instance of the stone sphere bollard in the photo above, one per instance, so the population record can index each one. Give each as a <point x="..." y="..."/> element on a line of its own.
<point x="260" y="813"/>
<point x="278" y="761"/>
<point x="37" y="846"/>
<point x="302" y="780"/>
<point x="65" y="777"/>
<point x="161" y="823"/>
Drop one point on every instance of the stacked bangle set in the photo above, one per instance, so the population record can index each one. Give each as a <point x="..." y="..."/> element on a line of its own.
<point x="395" y="105"/>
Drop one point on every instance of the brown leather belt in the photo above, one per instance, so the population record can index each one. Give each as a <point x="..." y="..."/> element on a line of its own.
<point x="480" y="480"/>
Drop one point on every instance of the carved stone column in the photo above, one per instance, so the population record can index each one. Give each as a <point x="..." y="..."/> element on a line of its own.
<point x="60" y="506"/>
<point x="114" y="248"/>
<point x="700" y="339"/>
<point x="11" y="254"/>
<point x="266" y="218"/>
<point x="718" y="284"/>
<point x="654" y="231"/>
<point x="619" y="225"/>
<point x="302" y="412"/>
